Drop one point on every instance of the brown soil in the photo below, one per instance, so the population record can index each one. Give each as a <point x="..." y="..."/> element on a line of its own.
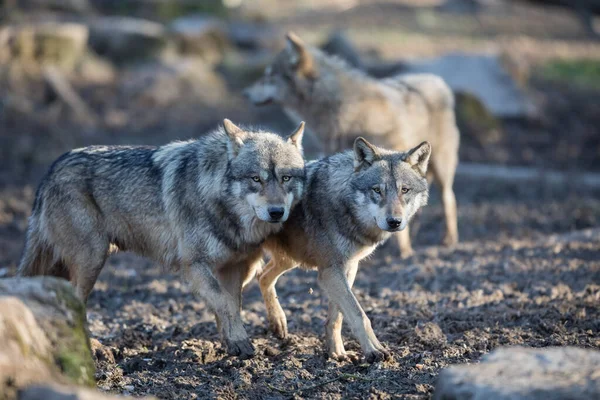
<point x="434" y="309"/>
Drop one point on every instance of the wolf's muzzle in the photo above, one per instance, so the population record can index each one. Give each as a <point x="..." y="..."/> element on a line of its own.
<point x="393" y="223"/>
<point x="276" y="213"/>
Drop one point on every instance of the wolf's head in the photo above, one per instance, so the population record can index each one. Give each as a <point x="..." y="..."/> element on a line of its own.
<point x="266" y="171"/>
<point x="289" y="76"/>
<point x="389" y="187"/>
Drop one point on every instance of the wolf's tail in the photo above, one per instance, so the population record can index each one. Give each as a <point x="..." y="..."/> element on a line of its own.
<point x="38" y="257"/>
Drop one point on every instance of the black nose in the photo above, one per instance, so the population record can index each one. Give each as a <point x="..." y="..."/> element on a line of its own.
<point x="276" y="212"/>
<point x="393" y="223"/>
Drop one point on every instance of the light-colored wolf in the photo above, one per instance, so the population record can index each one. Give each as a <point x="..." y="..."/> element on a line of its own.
<point x="353" y="202"/>
<point x="203" y="207"/>
<point x="341" y="103"/>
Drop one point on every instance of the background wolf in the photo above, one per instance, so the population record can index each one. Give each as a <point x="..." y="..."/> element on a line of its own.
<point x="353" y="201"/>
<point x="341" y="103"/>
<point x="204" y="206"/>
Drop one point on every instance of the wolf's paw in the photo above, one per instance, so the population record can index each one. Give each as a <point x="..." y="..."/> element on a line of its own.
<point x="449" y="240"/>
<point x="407" y="252"/>
<point x="345" y="356"/>
<point x="278" y="325"/>
<point x="242" y="348"/>
<point x="377" y="355"/>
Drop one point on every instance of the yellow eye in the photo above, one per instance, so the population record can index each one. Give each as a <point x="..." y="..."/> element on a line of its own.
<point x="256" y="179"/>
<point x="405" y="190"/>
<point x="377" y="190"/>
<point x="286" y="178"/>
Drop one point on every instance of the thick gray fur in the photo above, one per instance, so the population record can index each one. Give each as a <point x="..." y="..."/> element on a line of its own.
<point x="193" y="206"/>
<point x="353" y="202"/>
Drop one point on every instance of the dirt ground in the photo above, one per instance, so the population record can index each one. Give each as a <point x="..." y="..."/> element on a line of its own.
<point x="527" y="270"/>
<point x="437" y="308"/>
<point x="512" y="280"/>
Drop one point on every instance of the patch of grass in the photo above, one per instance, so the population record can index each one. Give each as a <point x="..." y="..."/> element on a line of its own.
<point x="584" y="73"/>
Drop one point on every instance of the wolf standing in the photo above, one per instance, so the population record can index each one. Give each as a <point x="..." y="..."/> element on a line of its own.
<point x="341" y="103"/>
<point x="353" y="201"/>
<point x="203" y="206"/>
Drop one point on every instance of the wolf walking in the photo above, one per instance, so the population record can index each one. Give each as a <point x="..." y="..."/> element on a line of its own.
<point x="203" y="207"/>
<point x="353" y="202"/>
<point x="341" y="103"/>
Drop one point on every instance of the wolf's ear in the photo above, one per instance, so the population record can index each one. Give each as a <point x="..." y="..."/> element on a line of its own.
<point x="296" y="137"/>
<point x="364" y="153"/>
<point x="236" y="137"/>
<point x="418" y="157"/>
<point x="299" y="55"/>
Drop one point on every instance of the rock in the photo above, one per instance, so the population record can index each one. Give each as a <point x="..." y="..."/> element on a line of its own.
<point x="59" y="44"/>
<point x="42" y="335"/>
<point x="482" y="76"/>
<point x="125" y="39"/>
<point x="524" y="373"/>
<point x="206" y="37"/>
<point x="57" y="392"/>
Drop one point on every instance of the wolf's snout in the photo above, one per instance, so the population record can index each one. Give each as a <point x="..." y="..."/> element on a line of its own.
<point x="393" y="222"/>
<point x="276" y="213"/>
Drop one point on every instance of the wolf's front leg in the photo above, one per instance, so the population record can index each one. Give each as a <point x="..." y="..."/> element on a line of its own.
<point x="333" y="335"/>
<point x="267" y="280"/>
<point x="334" y="282"/>
<point x="226" y="309"/>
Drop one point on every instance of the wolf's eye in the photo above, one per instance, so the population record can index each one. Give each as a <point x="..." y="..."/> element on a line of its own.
<point x="377" y="190"/>
<point x="256" y="178"/>
<point x="286" y="178"/>
<point x="405" y="190"/>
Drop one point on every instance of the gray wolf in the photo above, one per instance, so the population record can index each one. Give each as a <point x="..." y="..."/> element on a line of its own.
<point x="341" y="103"/>
<point x="353" y="202"/>
<point x="203" y="207"/>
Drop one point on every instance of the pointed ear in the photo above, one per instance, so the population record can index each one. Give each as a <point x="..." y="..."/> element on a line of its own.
<point x="236" y="137"/>
<point x="300" y="56"/>
<point x="364" y="153"/>
<point x="296" y="137"/>
<point x="418" y="157"/>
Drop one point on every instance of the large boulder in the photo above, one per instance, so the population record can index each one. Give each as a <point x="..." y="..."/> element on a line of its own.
<point x="126" y="39"/>
<point x="58" y="392"/>
<point x="524" y="373"/>
<point x="42" y="335"/>
<point x="54" y="43"/>
<point x="482" y="76"/>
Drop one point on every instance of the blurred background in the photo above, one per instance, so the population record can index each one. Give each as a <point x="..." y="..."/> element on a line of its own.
<point x="526" y="75"/>
<point x="77" y="72"/>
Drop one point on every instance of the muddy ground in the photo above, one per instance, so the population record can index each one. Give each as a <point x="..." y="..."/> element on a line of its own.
<point x="524" y="272"/>
<point x="510" y="281"/>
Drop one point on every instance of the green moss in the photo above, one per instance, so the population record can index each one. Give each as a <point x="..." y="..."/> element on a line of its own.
<point x="73" y="354"/>
<point x="471" y="111"/>
<point x="579" y="72"/>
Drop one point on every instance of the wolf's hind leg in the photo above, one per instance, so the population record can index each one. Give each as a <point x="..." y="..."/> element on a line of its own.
<point x="225" y="306"/>
<point x="267" y="280"/>
<point x="333" y="334"/>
